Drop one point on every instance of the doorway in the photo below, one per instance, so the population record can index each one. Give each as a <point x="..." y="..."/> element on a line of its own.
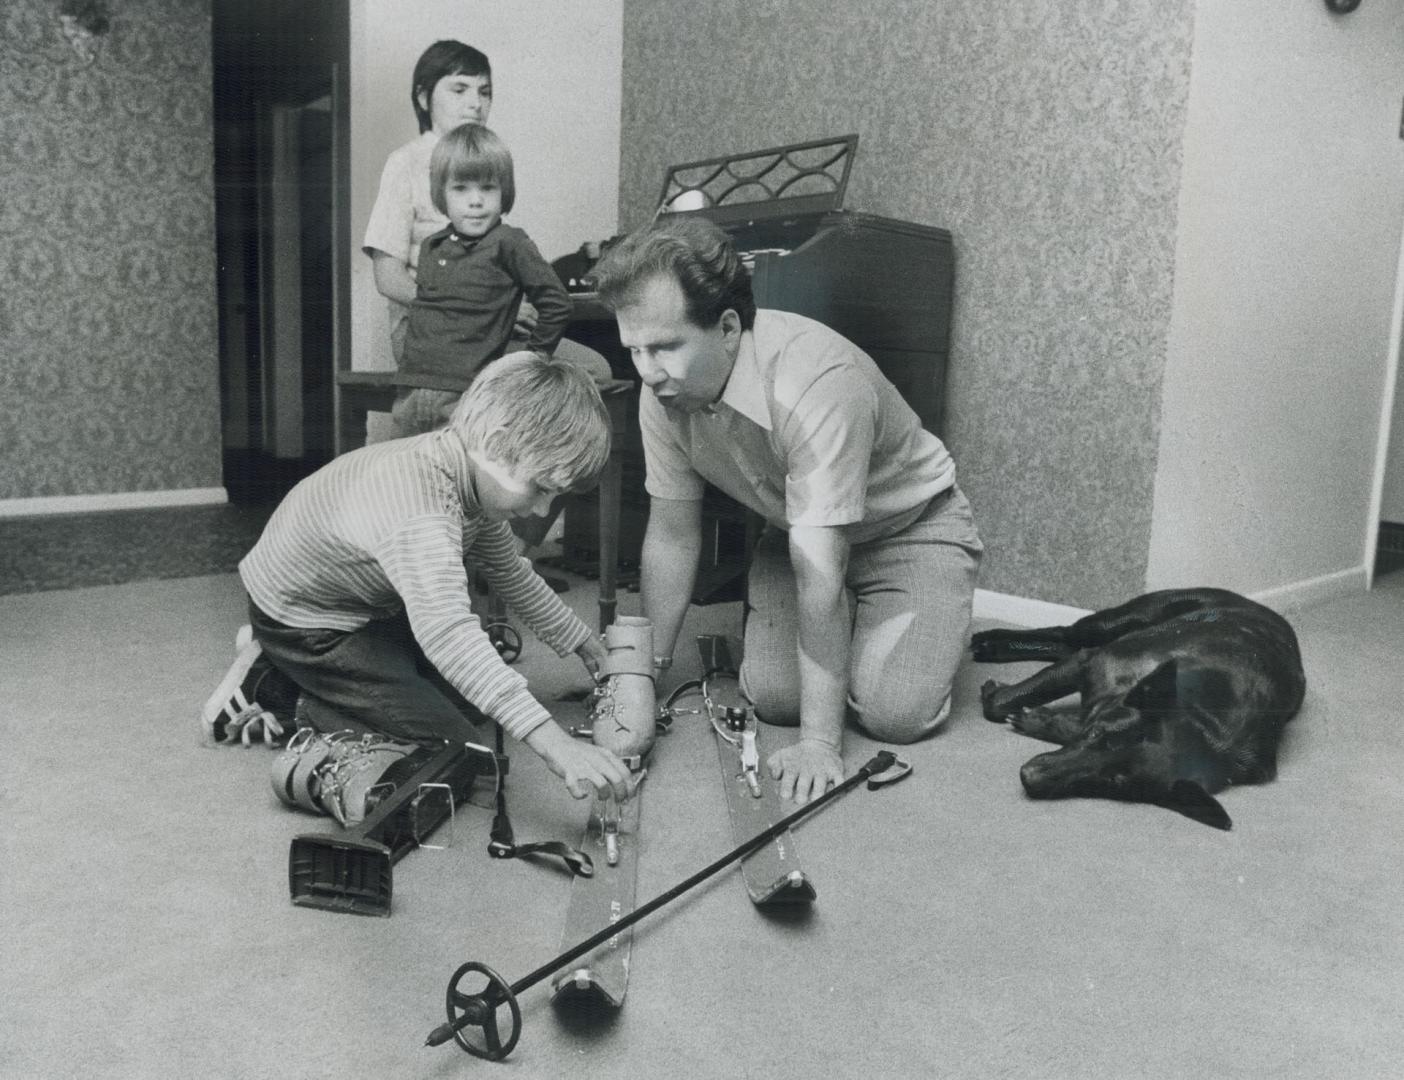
<point x="281" y="222"/>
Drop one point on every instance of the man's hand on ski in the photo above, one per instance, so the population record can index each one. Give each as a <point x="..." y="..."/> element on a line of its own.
<point x="585" y="768"/>
<point x="806" y="769"/>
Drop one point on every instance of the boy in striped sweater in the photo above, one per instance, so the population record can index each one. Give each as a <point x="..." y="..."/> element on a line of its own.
<point x="358" y="588"/>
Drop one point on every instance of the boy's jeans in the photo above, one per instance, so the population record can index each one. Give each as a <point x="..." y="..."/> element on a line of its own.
<point x="375" y="679"/>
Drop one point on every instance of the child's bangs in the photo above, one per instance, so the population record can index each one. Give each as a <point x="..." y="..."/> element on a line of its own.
<point x="476" y="169"/>
<point x="574" y="466"/>
<point x="563" y="444"/>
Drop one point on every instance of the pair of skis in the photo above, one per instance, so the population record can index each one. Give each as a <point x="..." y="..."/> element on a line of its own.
<point x="771" y="871"/>
<point x="598" y="937"/>
<point x="477" y="1021"/>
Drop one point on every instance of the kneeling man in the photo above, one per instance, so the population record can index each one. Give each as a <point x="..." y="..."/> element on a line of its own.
<point x="860" y="589"/>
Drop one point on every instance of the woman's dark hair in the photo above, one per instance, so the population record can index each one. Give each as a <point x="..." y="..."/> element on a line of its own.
<point x="441" y="59"/>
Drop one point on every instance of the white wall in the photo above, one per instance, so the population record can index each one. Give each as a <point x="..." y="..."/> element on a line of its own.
<point x="1392" y="494"/>
<point x="1291" y="202"/>
<point x="556" y="67"/>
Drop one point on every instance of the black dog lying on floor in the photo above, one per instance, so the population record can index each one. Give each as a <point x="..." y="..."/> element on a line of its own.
<point x="1184" y="692"/>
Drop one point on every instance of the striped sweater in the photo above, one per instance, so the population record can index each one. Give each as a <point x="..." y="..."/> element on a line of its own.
<point x="392" y="526"/>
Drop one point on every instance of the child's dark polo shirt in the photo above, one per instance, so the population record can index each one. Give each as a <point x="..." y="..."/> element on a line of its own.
<point x="468" y="295"/>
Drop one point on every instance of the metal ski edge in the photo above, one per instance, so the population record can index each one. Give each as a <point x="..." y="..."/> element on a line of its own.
<point x="595" y="902"/>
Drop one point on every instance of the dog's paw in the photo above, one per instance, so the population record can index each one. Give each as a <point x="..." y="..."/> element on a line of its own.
<point x="1033" y="722"/>
<point x="984" y="646"/>
<point x="989" y="692"/>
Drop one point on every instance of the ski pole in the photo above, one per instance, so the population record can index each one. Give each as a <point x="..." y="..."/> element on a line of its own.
<point x="480" y="1010"/>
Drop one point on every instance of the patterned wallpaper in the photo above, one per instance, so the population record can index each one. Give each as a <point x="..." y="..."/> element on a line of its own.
<point x="108" y="361"/>
<point x="1045" y="135"/>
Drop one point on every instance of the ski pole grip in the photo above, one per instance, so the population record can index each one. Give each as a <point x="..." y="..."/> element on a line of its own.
<point x="884" y="769"/>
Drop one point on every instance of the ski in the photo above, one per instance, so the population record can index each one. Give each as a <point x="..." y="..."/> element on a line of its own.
<point x="601" y="900"/>
<point x="772" y="872"/>
<point x="624" y="720"/>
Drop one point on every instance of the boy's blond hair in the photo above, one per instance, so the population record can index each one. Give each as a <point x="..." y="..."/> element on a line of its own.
<point x="540" y="415"/>
<point x="474" y="153"/>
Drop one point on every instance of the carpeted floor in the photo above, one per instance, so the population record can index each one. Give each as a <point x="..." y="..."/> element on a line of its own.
<point x="961" y="930"/>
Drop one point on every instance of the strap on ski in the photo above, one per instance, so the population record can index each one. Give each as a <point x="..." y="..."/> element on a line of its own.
<point x="502" y="841"/>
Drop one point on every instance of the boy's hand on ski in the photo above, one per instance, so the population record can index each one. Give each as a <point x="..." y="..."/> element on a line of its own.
<point x="586" y="769"/>
<point x="806" y="769"/>
<point x="593" y="654"/>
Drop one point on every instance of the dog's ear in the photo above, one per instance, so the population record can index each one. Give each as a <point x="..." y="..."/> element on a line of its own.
<point x="1192" y="800"/>
<point x="1157" y="692"/>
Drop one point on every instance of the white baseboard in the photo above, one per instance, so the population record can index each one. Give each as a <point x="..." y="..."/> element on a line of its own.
<point x="1312" y="591"/>
<point x="117" y="500"/>
<point x="1022" y="611"/>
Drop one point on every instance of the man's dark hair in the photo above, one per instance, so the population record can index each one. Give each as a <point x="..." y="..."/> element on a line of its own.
<point x="693" y="252"/>
<point x="441" y="59"/>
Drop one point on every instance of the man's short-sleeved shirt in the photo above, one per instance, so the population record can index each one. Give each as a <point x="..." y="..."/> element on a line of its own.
<point x="808" y="431"/>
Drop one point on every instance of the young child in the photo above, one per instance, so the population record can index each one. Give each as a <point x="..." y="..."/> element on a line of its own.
<point x="358" y="588"/>
<point x="451" y="85"/>
<point x="472" y="276"/>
